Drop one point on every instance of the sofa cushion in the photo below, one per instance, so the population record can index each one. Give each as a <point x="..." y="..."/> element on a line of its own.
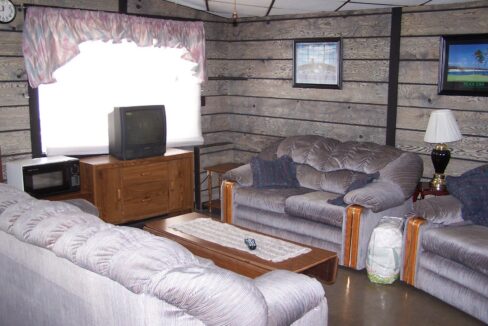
<point x="439" y="210"/>
<point x="267" y="199"/>
<point x="279" y="173"/>
<point x="359" y="182"/>
<point x="338" y="181"/>
<point x="314" y="206"/>
<point x="471" y="188"/>
<point x="377" y="196"/>
<point x="326" y="154"/>
<point x="465" y="244"/>
<point x="10" y="195"/>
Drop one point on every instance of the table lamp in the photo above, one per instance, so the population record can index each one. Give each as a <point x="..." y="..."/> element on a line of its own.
<point x="442" y="128"/>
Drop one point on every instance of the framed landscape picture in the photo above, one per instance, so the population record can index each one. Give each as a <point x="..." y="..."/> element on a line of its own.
<point x="463" y="66"/>
<point x="317" y="63"/>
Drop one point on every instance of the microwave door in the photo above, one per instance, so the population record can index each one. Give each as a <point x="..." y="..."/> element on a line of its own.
<point x="47" y="179"/>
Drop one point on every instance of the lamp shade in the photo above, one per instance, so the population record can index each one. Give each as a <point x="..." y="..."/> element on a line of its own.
<point x="442" y="128"/>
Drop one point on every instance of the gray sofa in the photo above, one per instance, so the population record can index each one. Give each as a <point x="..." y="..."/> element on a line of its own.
<point x="447" y="256"/>
<point x="60" y="265"/>
<point x="325" y="169"/>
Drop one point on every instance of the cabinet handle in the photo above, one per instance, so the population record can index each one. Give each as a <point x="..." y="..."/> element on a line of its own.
<point x="118" y="194"/>
<point x="145" y="200"/>
<point x="143" y="174"/>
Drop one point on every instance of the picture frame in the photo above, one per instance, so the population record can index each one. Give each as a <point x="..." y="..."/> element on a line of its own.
<point x="317" y="63"/>
<point x="463" y="65"/>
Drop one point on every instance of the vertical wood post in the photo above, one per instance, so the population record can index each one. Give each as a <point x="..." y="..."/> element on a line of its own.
<point x="391" y="117"/>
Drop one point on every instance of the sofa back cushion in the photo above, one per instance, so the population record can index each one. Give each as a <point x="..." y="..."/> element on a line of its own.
<point x="338" y="181"/>
<point x="326" y="154"/>
<point x="331" y="165"/>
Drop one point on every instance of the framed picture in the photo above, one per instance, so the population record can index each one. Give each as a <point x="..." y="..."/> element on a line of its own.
<point x="463" y="66"/>
<point x="317" y="63"/>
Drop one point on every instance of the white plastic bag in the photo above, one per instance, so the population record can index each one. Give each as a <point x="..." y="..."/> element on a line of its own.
<point x="385" y="251"/>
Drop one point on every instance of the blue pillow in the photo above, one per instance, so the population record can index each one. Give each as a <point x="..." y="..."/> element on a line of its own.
<point x="471" y="188"/>
<point x="279" y="173"/>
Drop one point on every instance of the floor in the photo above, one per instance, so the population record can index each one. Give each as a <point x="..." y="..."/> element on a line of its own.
<point x="354" y="300"/>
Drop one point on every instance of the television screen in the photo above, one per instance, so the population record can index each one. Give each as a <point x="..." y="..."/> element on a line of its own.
<point x="137" y="131"/>
<point x="144" y="127"/>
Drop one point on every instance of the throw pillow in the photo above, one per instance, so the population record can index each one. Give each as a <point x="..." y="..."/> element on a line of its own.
<point x="359" y="182"/>
<point x="471" y="189"/>
<point x="279" y="173"/>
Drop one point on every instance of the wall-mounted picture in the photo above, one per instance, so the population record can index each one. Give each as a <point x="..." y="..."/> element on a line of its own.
<point x="464" y="65"/>
<point x="317" y="63"/>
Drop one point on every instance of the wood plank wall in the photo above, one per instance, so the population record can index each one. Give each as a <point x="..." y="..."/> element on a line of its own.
<point x="218" y="146"/>
<point x="249" y="98"/>
<point x="264" y="107"/>
<point x="417" y="91"/>
<point x="14" y="100"/>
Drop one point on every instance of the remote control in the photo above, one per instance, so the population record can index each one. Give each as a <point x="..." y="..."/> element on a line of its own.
<point x="251" y="243"/>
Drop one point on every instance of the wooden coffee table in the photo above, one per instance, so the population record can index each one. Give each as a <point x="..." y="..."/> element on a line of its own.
<point x="319" y="263"/>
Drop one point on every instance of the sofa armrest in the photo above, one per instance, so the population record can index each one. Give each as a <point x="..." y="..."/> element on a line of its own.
<point x="439" y="210"/>
<point x="84" y="205"/>
<point x="289" y="295"/>
<point x="242" y="175"/>
<point x="376" y="196"/>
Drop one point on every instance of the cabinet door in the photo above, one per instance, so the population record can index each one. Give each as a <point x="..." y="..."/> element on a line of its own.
<point x="107" y="194"/>
<point x="144" y="190"/>
<point x="180" y="174"/>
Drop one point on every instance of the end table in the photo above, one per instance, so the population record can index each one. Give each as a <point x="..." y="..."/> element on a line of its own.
<point x="219" y="169"/>
<point x="424" y="189"/>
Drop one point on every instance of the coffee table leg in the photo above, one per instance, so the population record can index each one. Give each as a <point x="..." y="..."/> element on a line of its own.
<point x="325" y="272"/>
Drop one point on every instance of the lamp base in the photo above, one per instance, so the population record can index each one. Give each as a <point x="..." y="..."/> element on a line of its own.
<point x="438" y="182"/>
<point x="440" y="158"/>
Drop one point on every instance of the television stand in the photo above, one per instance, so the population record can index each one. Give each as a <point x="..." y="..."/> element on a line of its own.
<point x="132" y="190"/>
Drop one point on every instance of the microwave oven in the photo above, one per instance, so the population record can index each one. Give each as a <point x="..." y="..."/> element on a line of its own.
<point x="41" y="177"/>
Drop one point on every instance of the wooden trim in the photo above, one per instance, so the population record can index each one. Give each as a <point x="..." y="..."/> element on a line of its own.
<point x="123" y="6"/>
<point x="347" y="237"/>
<point x="35" y="122"/>
<point x="411" y="245"/>
<point x="356" y="223"/>
<point x="396" y="27"/>
<point x="353" y="223"/>
<point x="269" y="8"/>
<point x="226" y="207"/>
<point x="351" y="241"/>
<point x="196" y="177"/>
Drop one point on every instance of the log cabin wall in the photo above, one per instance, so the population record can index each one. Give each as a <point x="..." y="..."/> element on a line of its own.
<point x="417" y="91"/>
<point x="216" y="127"/>
<point x="15" y="136"/>
<point x="249" y="98"/>
<point x="264" y="106"/>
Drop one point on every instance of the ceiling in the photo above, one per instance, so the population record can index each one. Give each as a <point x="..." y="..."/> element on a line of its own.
<point x="262" y="8"/>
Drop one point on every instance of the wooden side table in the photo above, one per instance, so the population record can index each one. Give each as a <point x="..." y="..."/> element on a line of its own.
<point x="219" y="169"/>
<point x="424" y="189"/>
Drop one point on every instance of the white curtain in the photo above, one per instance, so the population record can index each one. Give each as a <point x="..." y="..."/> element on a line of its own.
<point x="74" y="110"/>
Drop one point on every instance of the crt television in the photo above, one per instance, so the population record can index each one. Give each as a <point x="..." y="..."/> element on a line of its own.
<point x="137" y="131"/>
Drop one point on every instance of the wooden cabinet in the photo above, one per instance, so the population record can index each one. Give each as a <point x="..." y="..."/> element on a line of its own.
<point x="132" y="190"/>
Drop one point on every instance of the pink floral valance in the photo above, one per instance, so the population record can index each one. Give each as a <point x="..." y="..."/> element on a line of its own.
<point x="51" y="37"/>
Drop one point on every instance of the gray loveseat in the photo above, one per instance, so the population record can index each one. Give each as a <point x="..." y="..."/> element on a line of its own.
<point x="62" y="266"/>
<point x="325" y="169"/>
<point x="447" y="256"/>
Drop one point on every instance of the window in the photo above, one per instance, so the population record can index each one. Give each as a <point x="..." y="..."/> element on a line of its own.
<point x="74" y="110"/>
